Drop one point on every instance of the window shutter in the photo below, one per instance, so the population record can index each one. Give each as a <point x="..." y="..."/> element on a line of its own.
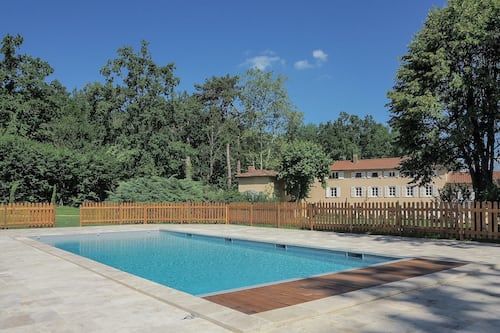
<point x="363" y="191"/>
<point x="353" y="192"/>
<point x="353" y="174"/>
<point x="370" y="192"/>
<point x="416" y="193"/>
<point x="434" y="190"/>
<point x="327" y="192"/>
<point x="386" y="174"/>
<point x="398" y="191"/>
<point x="368" y="174"/>
<point x="341" y="174"/>
<point x="422" y="191"/>
<point x="386" y="191"/>
<point x="338" y="192"/>
<point x="404" y="191"/>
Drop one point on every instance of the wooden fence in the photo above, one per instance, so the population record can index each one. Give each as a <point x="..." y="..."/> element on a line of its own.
<point x="27" y="215"/>
<point x="479" y="220"/>
<point x="132" y="213"/>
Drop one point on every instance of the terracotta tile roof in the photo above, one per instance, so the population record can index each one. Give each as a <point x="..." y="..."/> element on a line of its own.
<point x="252" y="172"/>
<point x="367" y="164"/>
<point x="465" y="178"/>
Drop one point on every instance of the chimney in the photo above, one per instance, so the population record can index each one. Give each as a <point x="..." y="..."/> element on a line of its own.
<point x="251" y="168"/>
<point x="354" y="158"/>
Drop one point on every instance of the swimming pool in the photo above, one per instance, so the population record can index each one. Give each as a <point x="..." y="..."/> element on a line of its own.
<point x="200" y="265"/>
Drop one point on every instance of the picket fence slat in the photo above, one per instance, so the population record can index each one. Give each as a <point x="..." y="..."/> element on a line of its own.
<point x="27" y="215"/>
<point x="479" y="220"/>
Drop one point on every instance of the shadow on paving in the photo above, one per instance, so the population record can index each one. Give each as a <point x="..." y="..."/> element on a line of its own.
<point x="469" y="304"/>
<point x="421" y="241"/>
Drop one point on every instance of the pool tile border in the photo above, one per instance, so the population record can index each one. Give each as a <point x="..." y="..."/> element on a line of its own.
<point x="224" y="316"/>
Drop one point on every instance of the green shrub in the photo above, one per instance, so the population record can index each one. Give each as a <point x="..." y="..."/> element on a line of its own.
<point x="40" y="168"/>
<point x="159" y="189"/>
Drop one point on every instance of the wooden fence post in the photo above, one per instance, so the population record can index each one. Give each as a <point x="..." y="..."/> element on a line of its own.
<point x="459" y="221"/>
<point x="53" y="214"/>
<point x="278" y="214"/>
<point x="311" y="211"/>
<point x="398" y="217"/>
<point x="352" y="214"/>
<point x="119" y="213"/>
<point x="251" y="214"/>
<point x="227" y="213"/>
<point x="145" y="213"/>
<point x="5" y="216"/>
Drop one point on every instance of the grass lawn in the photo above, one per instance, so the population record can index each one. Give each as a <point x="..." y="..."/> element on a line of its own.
<point x="67" y="216"/>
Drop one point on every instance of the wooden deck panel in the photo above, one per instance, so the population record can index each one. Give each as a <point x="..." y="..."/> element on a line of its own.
<point x="260" y="299"/>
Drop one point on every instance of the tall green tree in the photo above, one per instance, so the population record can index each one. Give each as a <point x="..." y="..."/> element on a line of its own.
<point x="268" y="115"/>
<point x="445" y="103"/>
<point x="27" y="101"/>
<point x="219" y="95"/>
<point x="301" y="164"/>
<point x="138" y="93"/>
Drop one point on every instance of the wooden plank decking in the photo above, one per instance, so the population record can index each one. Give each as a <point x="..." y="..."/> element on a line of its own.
<point x="280" y="295"/>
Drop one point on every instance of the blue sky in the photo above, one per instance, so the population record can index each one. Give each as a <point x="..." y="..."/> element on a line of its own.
<point x="338" y="55"/>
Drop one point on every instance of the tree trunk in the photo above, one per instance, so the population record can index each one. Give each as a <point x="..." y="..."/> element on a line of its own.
<point x="228" y="160"/>
<point x="188" y="169"/>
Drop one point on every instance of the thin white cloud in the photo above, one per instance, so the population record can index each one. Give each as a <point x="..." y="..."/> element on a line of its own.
<point x="264" y="61"/>
<point x="302" y="64"/>
<point x="320" y="55"/>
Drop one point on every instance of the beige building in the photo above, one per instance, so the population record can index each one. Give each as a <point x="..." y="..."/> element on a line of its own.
<point x="358" y="180"/>
<point x="260" y="181"/>
<point x="373" y="180"/>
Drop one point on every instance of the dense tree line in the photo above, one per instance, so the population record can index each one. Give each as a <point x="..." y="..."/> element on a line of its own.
<point x="135" y="127"/>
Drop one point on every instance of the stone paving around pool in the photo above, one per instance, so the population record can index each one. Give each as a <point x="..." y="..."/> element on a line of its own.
<point x="44" y="289"/>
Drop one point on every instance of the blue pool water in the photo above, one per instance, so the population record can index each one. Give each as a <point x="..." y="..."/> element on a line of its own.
<point x="200" y="264"/>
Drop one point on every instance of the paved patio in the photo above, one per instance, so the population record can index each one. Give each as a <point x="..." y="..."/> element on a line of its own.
<point x="44" y="289"/>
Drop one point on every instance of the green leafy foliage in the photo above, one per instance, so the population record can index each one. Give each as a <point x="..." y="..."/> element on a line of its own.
<point x="445" y="101"/>
<point x="27" y="101"/>
<point x="36" y="169"/>
<point x="12" y="193"/>
<point x="159" y="189"/>
<point x="269" y="114"/>
<point x="457" y="193"/>
<point x="302" y="162"/>
<point x="350" y="134"/>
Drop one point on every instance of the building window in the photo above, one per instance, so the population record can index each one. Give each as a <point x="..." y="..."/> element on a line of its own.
<point x="358" y="175"/>
<point x="374" y="174"/>
<point x="375" y="192"/>
<point x="410" y="191"/>
<point x="358" y="192"/>
<point x="332" y="192"/>
<point x="334" y="175"/>
<point x="392" y="191"/>
<point x="392" y="173"/>
<point x="428" y="190"/>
